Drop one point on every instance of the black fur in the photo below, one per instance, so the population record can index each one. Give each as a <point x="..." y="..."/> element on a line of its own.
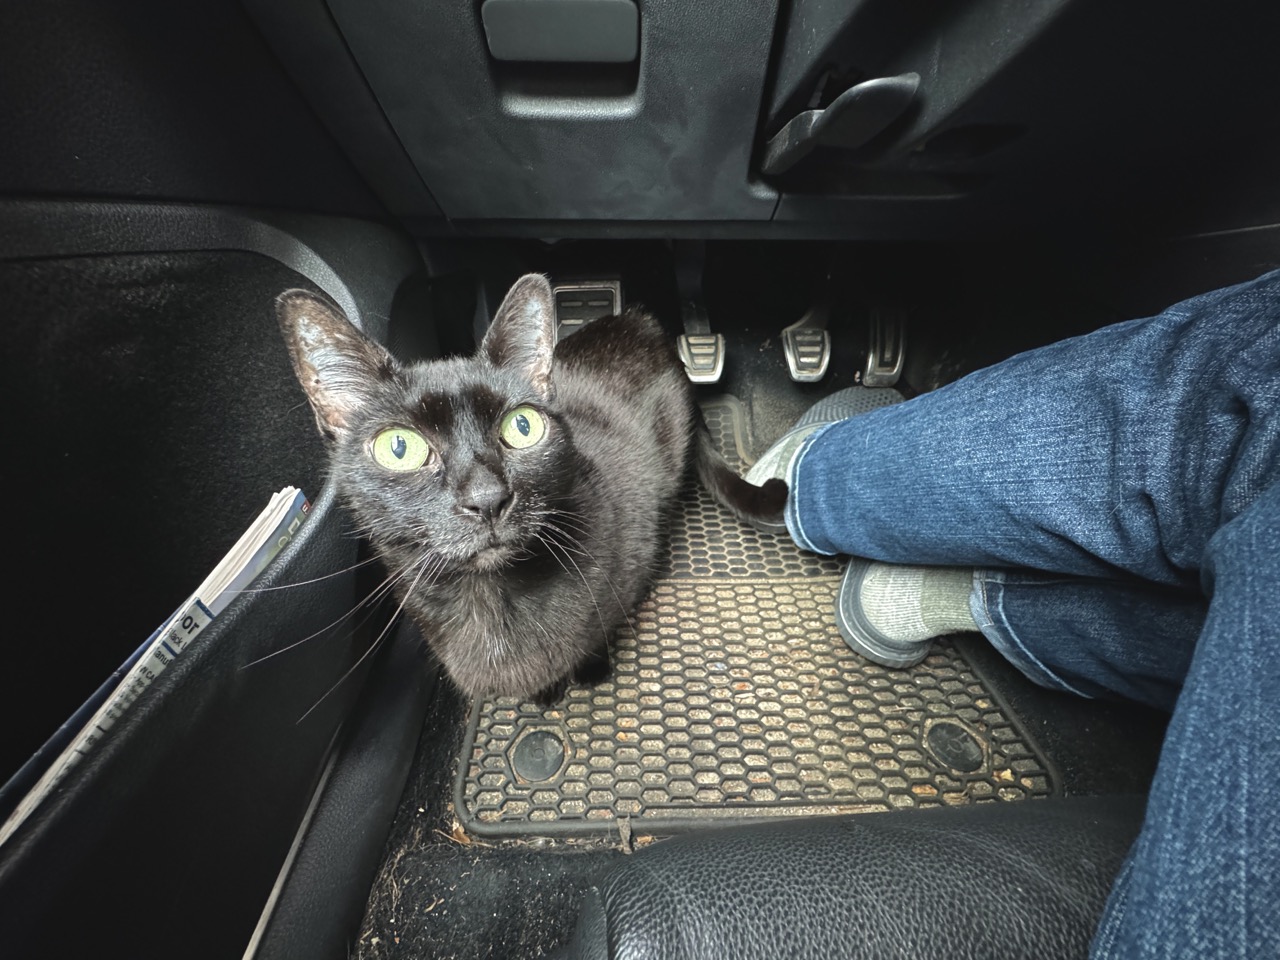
<point x="521" y="600"/>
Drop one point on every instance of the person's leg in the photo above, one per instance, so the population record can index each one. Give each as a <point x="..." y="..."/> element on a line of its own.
<point x="1110" y="458"/>
<point x="1203" y="878"/>
<point x="1123" y="639"/>
<point x="1141" y="451"/>
<point x="1118" y="452"/>
<point x="1107" y="638"/>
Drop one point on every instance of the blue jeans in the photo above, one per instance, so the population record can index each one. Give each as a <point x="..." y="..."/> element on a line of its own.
<point x="1119" y="496"/>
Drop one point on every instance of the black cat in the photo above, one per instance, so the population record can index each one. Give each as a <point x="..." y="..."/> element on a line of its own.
<point x="519" y="496"/>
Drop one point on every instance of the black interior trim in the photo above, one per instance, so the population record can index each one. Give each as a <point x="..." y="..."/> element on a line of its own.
<point x="319" y="899"/>
<point x="305" y="37"/>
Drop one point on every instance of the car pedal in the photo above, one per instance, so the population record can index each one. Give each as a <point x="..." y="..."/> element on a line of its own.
<point x="702" y="355"/>
<point x="578" y="302"/>
<point x="701" y="351"/>
<point x="886" y="350"/>
<point x="806" y="344"/>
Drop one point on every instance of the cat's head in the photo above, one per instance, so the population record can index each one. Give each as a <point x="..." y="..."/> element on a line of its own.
<point x="463" y="457"/>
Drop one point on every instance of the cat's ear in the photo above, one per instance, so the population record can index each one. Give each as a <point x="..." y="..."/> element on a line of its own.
<point x="523" y="334"/>
<point x="336" y="364"/>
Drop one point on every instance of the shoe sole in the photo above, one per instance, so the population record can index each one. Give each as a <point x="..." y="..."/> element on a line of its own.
<point x="857" y="630"/>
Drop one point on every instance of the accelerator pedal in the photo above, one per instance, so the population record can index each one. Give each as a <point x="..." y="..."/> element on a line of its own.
<point x="886" y="350"/>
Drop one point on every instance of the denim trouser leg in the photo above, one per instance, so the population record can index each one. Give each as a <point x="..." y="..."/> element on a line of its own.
<point x="1113" y="457"/>
<point x="1120" y="638"/>
<point x="1203" y="878"/>
<point x="1119" y="494"/>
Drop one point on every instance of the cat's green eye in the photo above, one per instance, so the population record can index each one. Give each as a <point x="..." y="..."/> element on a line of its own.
<point x="400" y="449"/>
<point x="522" y="427"/>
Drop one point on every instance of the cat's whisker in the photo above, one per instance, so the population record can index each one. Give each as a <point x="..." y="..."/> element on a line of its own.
<point x="374" y="595"/>
<point x="551" y="510"/>
<point x="579" y="528"/>
<point x="557" y="518"/>
<point x="555" y="556"/>
<point x="555" y="642"/>
<point x="424" y="562"/>
<point x="608" y="581"/>
<point x="554" y="503"/>
<point x="303" y="583"/>
<point x="585" y="583"/>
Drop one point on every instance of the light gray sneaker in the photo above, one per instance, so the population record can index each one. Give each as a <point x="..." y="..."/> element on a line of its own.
<point x="891" y="613"/>
<point x="840" y="405"/>
<point x="858" y="631"/>
<point x="775" y="462"/>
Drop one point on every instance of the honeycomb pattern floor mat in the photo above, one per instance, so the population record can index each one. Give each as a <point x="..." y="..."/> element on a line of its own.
<point x="734" y="697"/>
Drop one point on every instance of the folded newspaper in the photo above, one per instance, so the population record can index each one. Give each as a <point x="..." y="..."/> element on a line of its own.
<point x="76" y="739"/>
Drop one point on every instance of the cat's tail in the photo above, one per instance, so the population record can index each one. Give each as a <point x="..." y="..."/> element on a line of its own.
<point x="759" y="506"/>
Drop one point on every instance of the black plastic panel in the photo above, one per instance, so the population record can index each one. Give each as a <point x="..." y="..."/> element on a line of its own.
<point x="670" y="142"/>
<point x="835" y="45"/>
<point x="144" y="445"/>
<point x="958" y="54"/>
<point x="562" y="31"/>
<point x="319" y="899"/>
<point x="360" y="264"/>
<point x="307" y="41"/>
<point x="1032" y="115"/>
<point x="149" y="99"/>
<point x="173" y="831"/>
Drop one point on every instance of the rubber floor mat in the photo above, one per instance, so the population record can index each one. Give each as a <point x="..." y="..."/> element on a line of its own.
<point x="734" y="697"/>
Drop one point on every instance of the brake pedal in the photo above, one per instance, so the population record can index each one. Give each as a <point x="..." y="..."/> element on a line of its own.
<point x="578" y="302"/>
<point x="703" y="356"/>
<point x="807" y="346"/>
<point x="701" y="351"/>
<point x="886" y="350"/>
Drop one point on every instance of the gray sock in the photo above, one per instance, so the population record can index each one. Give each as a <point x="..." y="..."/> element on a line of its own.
<point x="909" y="604"/>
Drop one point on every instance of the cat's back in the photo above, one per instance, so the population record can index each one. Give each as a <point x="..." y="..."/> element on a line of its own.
<point x="622" y="389"/>
<point x="629" y="352"/>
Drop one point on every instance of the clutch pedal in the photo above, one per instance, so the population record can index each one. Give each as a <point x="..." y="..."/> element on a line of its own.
<point x="578" y="302"/>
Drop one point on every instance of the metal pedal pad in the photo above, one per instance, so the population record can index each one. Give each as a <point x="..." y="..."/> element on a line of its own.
<point x="886" y="350"/>
<point x="807" y="347"/>
<point x="701" y="351"/>
<point x="703" y="356"/>
<point x="578" y="302"/>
